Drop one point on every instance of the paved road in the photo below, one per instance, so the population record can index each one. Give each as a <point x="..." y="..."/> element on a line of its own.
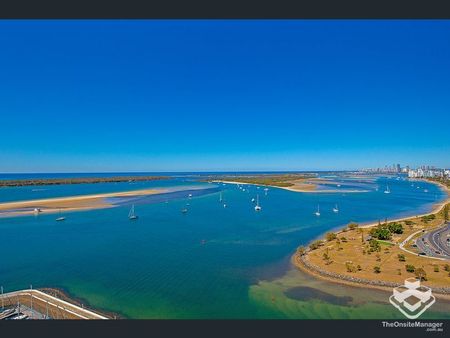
<point x="434" y="243"/>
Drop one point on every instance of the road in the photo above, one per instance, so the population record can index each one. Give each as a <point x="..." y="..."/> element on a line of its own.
<point x="434" y="243"/>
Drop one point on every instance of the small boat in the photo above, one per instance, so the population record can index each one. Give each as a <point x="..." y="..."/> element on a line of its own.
<point x="61" y="218"/>
<point x="184" y="210"/>
<point x="20" y="317"/>
<point x="37" y="210"/>
<point x="425" y="190"/>
<point x="131" y="214"/>
<point x="387" y="191"/>
<point x="253" y="200"/>
<point x="317" y="213"/>
<point x="335" y="209"/>
<point x="257" y="206"/>
<point x="338" y="185"/>
<point x="224" y="205"/>
<point x="190" y="195"/>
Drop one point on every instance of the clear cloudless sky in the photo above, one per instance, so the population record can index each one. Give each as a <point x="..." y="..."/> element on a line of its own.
<point x="223" y="95"/>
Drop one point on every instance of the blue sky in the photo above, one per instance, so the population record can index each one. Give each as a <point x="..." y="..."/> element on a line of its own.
<point x="223" y="95"/>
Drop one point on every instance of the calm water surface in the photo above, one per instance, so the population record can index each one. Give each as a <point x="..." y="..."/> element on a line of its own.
<point x="212" y="262"/>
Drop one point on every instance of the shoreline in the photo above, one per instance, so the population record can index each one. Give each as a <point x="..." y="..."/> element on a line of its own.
<point x="70" y="203"/>
<point x="302" y="263"/>
<point x="437" y="207"/>
<point x="312" y="188"/>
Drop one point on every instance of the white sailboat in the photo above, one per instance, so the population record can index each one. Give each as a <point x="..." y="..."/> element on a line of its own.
<point x="335" y="209"/>
<point x="61" y="218"/>
<point x="387" y="191"/>
<point x="131" y="214"/>
<point x="257" y="206"/>
<point x="220" y="198"/>
<point x="318" y="211"/>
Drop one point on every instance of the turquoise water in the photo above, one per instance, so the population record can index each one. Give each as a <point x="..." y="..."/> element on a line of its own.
<point x="212" y="262"/>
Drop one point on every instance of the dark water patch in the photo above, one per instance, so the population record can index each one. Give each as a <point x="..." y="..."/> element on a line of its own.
<point x="305" y="293"/>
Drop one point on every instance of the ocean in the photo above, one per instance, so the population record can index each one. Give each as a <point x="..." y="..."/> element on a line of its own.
<point x="211" y="262"/>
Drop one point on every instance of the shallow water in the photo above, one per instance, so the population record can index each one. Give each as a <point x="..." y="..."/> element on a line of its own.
<point x="212" y="262"/>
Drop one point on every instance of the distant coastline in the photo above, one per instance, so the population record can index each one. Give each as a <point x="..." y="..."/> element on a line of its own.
<point x="77" y="180"/>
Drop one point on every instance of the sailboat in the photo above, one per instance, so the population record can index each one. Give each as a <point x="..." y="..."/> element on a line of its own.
<point x="335" y="209"/>
<point x="61" y="218"/>
<point x="318" y="211"/>
<point x="131" y="214"/>
<point x="220" y="199"/>
<point x="257" y="206"/>
<point x="387" y="191"/>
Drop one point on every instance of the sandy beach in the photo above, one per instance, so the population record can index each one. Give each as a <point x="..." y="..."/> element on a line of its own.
<point x="71" y="203"/>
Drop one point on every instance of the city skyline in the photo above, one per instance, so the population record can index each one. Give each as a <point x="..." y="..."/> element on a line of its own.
<point x="105" y="96"/>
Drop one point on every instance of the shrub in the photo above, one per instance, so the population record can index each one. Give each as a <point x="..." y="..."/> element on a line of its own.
<point x="447" y="267"/>
<point x="359" y="267"/>
<point x="409" y="223"/>
<point x="343" y="239"/>
<point x="352" y="226"/>
<point x="401" y="258"/>
<point x="376" y="269"/>
<point x="428" y="218"/>
<point x="301" y="250"/>
<point x="436" y="268"/>
<point x="330" y="236"/>
<point x="410" y="268"/>
<point x="350" y="267"/>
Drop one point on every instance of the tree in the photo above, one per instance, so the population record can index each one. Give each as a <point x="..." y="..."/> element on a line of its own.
<point x="327" y="258"/>
<point x="315" y="245"/>
<point x="376" y="269"/>
<point x="401" y="257"/>
<point x="330" y="236"/>
<point x="395" y="228"/>
<point x="421" y="274"/>
<point x="446" y="213"/>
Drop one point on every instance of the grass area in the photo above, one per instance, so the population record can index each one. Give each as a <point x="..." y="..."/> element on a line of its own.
<point x="350" y="253"/>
